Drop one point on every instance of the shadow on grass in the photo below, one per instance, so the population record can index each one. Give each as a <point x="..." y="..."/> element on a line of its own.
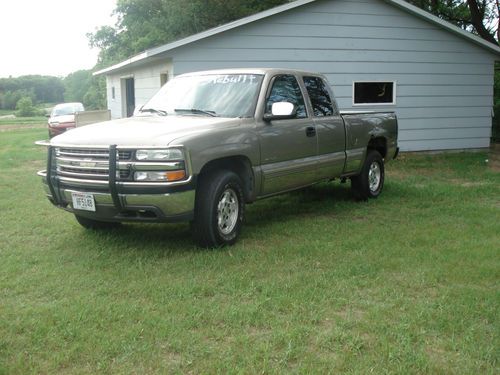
<point x="325" y="199"/>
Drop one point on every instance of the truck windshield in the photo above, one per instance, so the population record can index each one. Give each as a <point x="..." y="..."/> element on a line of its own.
<point x="222" y="95"/>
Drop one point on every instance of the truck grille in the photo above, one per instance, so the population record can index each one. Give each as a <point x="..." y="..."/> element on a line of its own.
<point x="88" y="164"/>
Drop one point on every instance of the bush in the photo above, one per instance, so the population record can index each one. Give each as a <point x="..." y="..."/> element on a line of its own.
<point x="495" y="133"/>
<point x="25" y="107"/>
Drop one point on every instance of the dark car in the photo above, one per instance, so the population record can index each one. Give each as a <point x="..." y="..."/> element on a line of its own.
<point x="62" y="117"/>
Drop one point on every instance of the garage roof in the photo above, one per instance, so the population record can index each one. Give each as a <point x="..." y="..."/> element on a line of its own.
<point x="155" y="52"/>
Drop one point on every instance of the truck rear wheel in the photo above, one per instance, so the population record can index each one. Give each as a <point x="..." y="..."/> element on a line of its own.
<point x="369" y="183"/>
<point x="219" y="209"/>
<point x="95" y="224"/>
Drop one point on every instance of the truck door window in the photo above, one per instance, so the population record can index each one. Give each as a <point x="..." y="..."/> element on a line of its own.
<point x="320" y="97"/>
<point x="286" y="89"/>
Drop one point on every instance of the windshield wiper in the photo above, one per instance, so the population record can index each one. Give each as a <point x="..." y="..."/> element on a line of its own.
<point x="153" y="110"/>
<point x="197" y="111"/>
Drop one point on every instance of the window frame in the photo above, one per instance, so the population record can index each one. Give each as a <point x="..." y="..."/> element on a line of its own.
<point x="297" y="80"/>
<point x="394" y="97"/>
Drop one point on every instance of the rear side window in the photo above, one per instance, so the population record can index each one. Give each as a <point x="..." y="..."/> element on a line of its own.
<point x="286" y="89"/>
<point x="320" y="97"/>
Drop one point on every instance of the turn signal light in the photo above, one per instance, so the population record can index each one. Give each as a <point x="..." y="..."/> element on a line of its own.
<point x="175" y="175"/>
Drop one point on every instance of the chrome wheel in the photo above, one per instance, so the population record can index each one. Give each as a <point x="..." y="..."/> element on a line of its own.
<point x="374" y="176"/>
<point x="227" y="211"/>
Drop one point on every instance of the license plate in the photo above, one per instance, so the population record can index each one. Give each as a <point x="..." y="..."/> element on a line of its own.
<point x="83" y="201"/>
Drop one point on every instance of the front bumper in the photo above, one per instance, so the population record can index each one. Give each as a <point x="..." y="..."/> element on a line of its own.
<point x="139" y="207"/>
<point x="59" y="129"/>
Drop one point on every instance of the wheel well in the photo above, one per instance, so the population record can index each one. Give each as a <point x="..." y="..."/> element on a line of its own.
<point x="379" y="144"/>
<point x="240" y="165"/>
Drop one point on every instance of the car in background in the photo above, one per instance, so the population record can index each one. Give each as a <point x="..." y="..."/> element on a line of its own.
<point x="62" y="117"/>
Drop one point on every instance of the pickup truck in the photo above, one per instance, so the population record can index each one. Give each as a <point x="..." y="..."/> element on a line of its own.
<point x="210" y="142"/>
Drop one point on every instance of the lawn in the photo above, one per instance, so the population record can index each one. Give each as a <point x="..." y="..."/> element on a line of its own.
<point x="36" y="120"/>
<point x="318" y="283"/>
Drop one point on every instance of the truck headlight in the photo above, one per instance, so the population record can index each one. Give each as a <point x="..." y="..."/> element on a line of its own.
<point x="160" y="176"/>
<point x="159" y="155"/>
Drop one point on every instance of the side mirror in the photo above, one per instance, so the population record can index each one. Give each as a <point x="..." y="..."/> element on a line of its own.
<point x="281" y="111"/>
<point x="47" y="115"/>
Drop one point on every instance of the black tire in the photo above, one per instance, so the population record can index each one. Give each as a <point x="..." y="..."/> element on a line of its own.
<point x="219" y="209"/>
<point x="370" y="182"/>
<point x="95" y="224"/>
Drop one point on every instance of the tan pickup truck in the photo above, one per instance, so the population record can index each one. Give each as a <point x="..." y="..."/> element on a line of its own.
<point x="208" y="143"/>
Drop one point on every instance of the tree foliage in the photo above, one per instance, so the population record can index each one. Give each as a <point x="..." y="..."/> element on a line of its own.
<point x="43" y="88"/>
<point x="81" y="86"/>
<point x="76" y="85"/>
<point x="40" y="89"/>
<point x="146" y="24"/>
<point x="25" y="107"/>
<point x="477" y="16"/>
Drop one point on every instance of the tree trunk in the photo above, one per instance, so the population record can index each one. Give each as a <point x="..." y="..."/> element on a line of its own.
<point x="477" y="22"/>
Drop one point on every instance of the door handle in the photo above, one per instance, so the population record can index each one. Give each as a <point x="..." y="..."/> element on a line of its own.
<point x="310" y="131"/>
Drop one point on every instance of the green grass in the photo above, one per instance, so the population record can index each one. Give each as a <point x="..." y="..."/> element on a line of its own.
<point x="4" y="112"/>
<point x="37" y="120"/>
<point x="318" y="283"/>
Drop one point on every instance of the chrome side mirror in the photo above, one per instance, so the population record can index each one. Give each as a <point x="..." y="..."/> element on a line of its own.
<point x="281" y="111"/>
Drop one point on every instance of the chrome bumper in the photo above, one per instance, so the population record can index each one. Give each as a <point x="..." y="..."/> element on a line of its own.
<point x="163" y="207"/>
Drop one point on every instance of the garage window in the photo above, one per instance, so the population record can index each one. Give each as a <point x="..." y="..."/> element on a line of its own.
<point x="374" y="93"/>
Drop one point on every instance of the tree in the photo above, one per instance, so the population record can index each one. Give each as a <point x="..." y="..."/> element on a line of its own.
<point x="25" y="107"/>
<point x="41" y="89"/>
<point x="76" y="85"/>
<point x="477" y="16"/>
<point x="146" y="24"/>
<point x="95" y="97"/>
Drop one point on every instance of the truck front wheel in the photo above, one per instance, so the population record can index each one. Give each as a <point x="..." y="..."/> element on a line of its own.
<point x="95" y="224"/>
<point x="369" y="183"/>
<point x="219" y="209"/>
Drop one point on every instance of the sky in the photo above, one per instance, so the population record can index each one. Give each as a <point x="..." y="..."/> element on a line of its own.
<point x="48" y="36"/>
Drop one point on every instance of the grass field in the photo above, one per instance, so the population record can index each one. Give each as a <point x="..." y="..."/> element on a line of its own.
<point x="37" y="120"/>
<point x="318" y="283"/>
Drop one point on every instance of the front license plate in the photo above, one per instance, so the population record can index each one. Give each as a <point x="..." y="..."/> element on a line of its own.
<point x="83" y="201"/>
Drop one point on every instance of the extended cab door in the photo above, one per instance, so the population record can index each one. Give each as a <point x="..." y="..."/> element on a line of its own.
<point x="288" y="147"/>
<point x="329" y="128"/>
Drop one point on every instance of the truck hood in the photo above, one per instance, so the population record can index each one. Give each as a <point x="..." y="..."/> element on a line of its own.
<point x="142" y="130"/>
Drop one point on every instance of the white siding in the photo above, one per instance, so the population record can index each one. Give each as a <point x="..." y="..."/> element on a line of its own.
<point x="146" y="81"/>
<point x="444" y="84"/>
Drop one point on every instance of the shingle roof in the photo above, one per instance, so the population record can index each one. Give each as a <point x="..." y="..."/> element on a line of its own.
<point x="401" y="4"/>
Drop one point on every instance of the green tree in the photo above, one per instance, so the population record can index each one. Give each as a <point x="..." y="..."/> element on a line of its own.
<point x="146" y="24"/>
<point x="41" y="89"/>
<point x="25" y="107"/>
<point x="76" y="85"/>
<point x="95" y="97"/>
<point x="477" y="16"/>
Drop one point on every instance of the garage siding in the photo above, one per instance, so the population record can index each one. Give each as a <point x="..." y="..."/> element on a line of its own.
<point x="444" y="84"/>
<point x="147" y="83"/>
